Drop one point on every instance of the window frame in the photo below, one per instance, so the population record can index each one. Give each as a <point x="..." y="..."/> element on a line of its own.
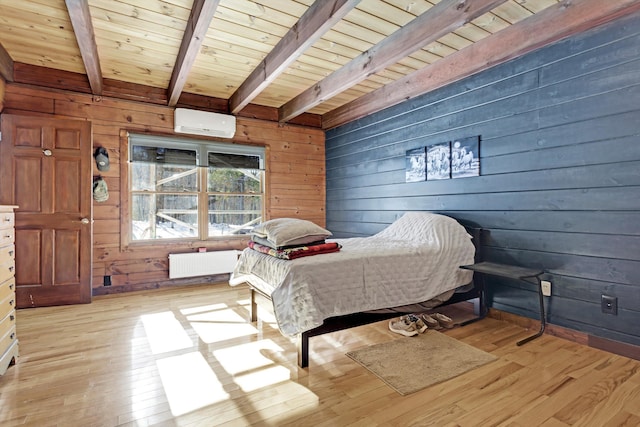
<point x="202" y="147"/>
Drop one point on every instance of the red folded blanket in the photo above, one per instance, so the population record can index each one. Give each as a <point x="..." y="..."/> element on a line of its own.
<point x="297" y="252"/>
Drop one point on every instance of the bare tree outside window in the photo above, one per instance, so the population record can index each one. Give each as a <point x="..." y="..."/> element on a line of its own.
<point x="174" y="198"/>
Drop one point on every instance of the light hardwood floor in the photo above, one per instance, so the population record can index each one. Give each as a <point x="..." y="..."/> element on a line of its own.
<point x="188" y="357"/>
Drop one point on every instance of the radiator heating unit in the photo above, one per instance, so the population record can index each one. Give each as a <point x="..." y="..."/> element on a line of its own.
<point x="201" y="263"/>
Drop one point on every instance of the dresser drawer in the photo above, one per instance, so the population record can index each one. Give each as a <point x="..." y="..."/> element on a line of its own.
<point x="7" y="236"/>
<point x="6" y="324"/>
<point x="7" y="254"/>
<point x="7" y="339"/>
<point x="7" y="271"/>
<point x="7" y="231"/>
<point x="7" y="288"/>
<point x="7" y="305"/>
<point x="7" y="220"/>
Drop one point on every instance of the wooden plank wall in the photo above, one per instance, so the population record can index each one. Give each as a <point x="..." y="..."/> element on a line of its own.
<point x="2" y="90"/>
<point x="295" y="183"/>
<point x="559" y="177"/>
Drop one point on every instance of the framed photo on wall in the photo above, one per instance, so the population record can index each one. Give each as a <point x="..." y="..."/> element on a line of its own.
<point x="465" y="157"/>
<point x="439" y="161"/>
<point x="415" y="165"/>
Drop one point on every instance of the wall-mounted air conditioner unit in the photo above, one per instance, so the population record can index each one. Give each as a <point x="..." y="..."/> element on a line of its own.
<point x="204" y="123"/>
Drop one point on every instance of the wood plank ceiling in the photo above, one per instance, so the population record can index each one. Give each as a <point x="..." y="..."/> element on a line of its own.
<point x="337" y="59"/>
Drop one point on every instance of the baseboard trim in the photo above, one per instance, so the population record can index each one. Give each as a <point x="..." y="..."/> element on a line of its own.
<point x="623" y="349"/>
<point x="616" y="347"/>
<point x="145" y="286"/>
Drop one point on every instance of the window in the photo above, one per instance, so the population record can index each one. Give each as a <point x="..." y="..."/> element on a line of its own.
<point x="185" y="189"/>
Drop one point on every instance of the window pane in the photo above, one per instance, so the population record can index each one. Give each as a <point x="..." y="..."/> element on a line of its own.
<point x="234" y="161"/>
<point x="164" y="216"/>
<point x="233" y="215"/>
<point x="235" y="181"/>
<point x="163" y="177"/>
<point x="169" y="176"/>
<point x="175" y="156"/>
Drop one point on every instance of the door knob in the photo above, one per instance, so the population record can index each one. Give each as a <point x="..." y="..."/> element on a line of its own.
<point x="47" y="152"/>
<point x="85" y="220"/>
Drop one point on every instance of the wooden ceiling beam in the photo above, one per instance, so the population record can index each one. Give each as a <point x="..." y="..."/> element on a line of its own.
<point x="85" y="35"/>
<point x="440" y="20"/>
<point x="198" y="24"/>
<point x="6" y="64"/>
<point x="321" y="16"/>
<point x="557" y="22"/>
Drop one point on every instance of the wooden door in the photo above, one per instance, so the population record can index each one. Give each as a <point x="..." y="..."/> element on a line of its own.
<point x="45" y="169"/>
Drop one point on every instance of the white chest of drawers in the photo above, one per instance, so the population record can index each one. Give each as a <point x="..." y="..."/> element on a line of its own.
<point x="8" y="337"/>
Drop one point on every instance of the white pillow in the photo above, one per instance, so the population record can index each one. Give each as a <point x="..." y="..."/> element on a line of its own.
<point x="290" y="231"/>
<point x="422" y="226"/>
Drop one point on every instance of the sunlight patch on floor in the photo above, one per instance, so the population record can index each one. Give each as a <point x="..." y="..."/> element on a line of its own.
<point x="188" y="379"/>
<point x="165" y="333"/>
<point x="203" y="309"/>
<point x="189" y="383"/>
<point x="254" y="365"/>
<point x="248" y="357"/>
<point x="220" y="325"/>
<point x="262" y="378"/>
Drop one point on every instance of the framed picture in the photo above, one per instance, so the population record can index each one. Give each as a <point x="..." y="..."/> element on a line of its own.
<point x="415" y="165"/>
<point x="438" y="161"/>
<point x="465" y="157"/>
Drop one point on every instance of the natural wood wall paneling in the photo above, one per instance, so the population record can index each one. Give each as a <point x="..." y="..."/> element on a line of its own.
<point x="76" y="82"/>
<point x="216" y="105"/>
<point x="3" y="84"/>
<point x="252" y="111"/>
<point x="558" y="185"/>
<point x="134" y="92"/>
<point x="58" y="79"/>
<point x="295" y="163"/>
<point x="31" y="100"/>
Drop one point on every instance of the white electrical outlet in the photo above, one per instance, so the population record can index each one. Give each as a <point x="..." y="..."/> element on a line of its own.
<point x="546" y="288"/>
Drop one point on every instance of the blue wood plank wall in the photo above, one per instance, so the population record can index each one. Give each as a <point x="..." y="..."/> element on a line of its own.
<point x="560" y="173"/>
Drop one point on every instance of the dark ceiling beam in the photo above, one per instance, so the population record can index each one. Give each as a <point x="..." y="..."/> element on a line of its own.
<point x="559" y="21"/>
<point x="200" y="19"/>
<point x="6" y="64"/>
<point x="438" y="21"/>
<point x="321" y="16"/>
<point x="85" y="35"/>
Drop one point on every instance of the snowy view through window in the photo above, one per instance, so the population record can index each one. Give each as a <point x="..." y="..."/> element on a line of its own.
<point x="167" y="201"/>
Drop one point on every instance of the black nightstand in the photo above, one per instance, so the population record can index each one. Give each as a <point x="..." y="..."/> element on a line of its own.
<point x="519" y="273"/>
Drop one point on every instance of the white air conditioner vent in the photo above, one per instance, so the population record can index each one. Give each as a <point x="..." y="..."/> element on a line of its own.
<point x="204" y="123"/>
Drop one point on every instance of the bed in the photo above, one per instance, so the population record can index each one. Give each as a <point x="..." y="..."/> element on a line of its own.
<point x="412" y="263"/>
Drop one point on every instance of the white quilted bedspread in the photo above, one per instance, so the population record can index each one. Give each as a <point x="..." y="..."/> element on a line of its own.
<point x="413" y="260"/>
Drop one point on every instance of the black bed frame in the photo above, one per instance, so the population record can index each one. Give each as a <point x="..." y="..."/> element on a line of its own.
<point x="339" y="323"/>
